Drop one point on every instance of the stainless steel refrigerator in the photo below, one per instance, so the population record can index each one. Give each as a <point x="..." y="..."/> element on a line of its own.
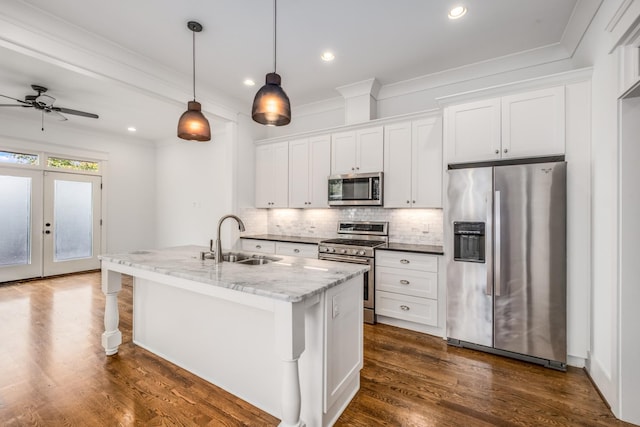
<point x="506" y="260"/>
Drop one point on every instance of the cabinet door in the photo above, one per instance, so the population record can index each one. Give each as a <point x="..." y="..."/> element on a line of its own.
<point x="369" y="149"/>
<point x="264" y="172"/>
<point x="533" y="123"/>
<point x="473" y="131"/>
<point x="299" y="173"/>
<point x="280" y="180"/>
<point x="397" y="165"/>
<point x="319" y="171"/>
<point x="272" y="175"/>
<point x="426" y="185"/>
<point x="343" y="153"/>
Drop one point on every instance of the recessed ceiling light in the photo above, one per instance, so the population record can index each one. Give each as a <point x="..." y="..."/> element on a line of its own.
<point x="131" y="129"/>
<point x="457" y="12"/>
<point x="328" y="56"/>
<point x="249" y="82"/>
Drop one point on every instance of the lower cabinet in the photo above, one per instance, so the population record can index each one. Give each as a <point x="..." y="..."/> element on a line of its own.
<point x="407" y="290"/>
<point x="304" y="250"/>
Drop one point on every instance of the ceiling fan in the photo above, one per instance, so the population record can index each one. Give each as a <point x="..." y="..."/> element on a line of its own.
<point x="44" y="103"/>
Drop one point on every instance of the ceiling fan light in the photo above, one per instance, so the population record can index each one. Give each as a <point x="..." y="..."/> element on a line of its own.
<point x="271" y="104"/>
<point x="193" y="125"/>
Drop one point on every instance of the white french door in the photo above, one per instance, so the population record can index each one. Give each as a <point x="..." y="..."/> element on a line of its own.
<point x="20" y="224"/>
<point x="71" y="226"/>
<point x="49" y="223"/>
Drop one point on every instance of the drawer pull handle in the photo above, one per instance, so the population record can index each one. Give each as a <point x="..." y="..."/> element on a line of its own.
<point x="404" y="282"/>
<point x="404" y="261"/>
<point x="405" y="308"/>
<point x="296" y="250"/>
<point x="258" y="247"/>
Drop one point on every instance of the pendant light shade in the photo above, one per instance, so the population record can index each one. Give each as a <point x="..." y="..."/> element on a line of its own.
<point x="271" y="105"/>
<point x="193" y="125"/>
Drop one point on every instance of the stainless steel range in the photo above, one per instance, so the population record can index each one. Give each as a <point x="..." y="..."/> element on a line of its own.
<point x="357" y="245"/>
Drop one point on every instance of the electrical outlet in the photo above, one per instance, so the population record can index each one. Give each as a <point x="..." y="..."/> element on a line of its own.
<point x="335" y="305"/>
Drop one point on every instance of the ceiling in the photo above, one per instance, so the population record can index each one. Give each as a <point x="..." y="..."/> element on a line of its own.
<point x="130" y="61"/>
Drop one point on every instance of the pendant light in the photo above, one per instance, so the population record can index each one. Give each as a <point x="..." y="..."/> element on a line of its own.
<point x="271" y="105"/>
<point x="193" y="125"/>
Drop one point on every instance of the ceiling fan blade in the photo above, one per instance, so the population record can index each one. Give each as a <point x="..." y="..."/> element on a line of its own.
<point x="56" y="115"/>
<point x="74" y="112"/>
<point x="14" y="105"/>
<point x="16" y="99"/>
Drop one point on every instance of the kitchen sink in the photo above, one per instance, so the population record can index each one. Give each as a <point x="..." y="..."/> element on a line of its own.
<point x="248" y="259"/>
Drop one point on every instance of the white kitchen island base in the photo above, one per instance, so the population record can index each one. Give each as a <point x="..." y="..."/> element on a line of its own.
<point x="297" y="360"/>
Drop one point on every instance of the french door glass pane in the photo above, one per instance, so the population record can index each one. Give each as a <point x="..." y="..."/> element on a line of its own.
<point x="73" y="220"/>
<point x="15" y="218"/>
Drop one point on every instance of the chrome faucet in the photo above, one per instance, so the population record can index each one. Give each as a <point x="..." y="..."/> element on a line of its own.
<point x="218" y="243"/>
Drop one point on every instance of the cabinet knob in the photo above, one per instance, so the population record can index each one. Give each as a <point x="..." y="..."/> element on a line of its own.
<point x="357" y="168"/>
<point x="414" y="201"/>
<point x="408" y="202"/>
<point x="405" y="307"/>
<point x="258" y="247"/>
<point x="497" y="151"/>
<point x="296" y="250"/>
<point x="404" y="261"/>
<point x="506" y="151"/>
<point x="404" y="282"/>
<point x="353" y="169"/>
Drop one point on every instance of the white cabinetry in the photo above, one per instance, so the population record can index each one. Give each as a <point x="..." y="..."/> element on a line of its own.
<point x="358" y="151"/>
<point x="413" y="164"/>
<point x="272" y="175"/>
<point x="528" y="124"/>
<point x="303" y="250"/>
<point x="309" y="167"/>
<point x="407" y="288"/>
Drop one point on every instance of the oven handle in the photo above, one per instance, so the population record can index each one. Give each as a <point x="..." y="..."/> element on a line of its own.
<point x="366" y="261"/>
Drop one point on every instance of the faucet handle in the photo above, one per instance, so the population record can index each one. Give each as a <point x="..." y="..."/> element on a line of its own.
<point x="210" y="245"/>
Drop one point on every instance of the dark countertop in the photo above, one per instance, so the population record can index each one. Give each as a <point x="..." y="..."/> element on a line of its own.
<point x="403" y="247"/>
<point x="289" y="239"/>
<point x="407" y="247"/>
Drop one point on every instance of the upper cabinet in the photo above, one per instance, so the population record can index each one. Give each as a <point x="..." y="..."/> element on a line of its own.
<point x="309" y="167"/>
<point x="358" y="151"/>
<point x="272" y="175"/>
<point x="528" y="124"/>
<point x="413" y="164"/>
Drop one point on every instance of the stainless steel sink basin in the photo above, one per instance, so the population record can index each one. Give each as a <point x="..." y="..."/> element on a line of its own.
<point x="248" y="259"/>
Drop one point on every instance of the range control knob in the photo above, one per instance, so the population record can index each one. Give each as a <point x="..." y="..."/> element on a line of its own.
<point x="360" y="252"/>
<point x="331" y="249"/>
<point x="343" y="251"/>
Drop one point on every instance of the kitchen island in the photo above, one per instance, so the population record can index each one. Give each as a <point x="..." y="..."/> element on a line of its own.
<point x="284" y="336"/>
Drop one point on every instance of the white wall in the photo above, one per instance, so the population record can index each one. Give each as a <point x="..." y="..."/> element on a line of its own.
<point x="603" y="364"/>
<point x="129" y="174"/>
<point x="195" y="187"/>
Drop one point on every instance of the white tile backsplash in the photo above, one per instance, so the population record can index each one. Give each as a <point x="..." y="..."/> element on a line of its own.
<point x="419" y="226"/>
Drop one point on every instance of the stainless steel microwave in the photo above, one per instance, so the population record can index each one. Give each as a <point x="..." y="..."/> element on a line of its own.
<point x="360" y="189"/>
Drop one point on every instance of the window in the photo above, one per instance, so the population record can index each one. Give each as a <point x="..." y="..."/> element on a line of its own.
<point x="19" y="158"/>
<point x="76" y="165"/>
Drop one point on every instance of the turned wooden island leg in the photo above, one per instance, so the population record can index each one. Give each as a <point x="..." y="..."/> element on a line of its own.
<point x="289" y="322"/>
<point x="111" y="286"/>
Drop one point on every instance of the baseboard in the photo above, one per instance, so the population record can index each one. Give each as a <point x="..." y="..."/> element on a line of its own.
<point x="576" y="362"/>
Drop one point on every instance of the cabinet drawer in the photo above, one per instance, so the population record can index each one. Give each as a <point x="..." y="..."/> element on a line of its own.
<point x="407" y="282"/>
<point x="407" y="260"/>
<point x="413" y="309"/>
<point x="303" y="250"/>
<point x="265" y="246"/>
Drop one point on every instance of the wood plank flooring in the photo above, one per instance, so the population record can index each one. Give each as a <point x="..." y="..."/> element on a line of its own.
<point x="53" y="372"/>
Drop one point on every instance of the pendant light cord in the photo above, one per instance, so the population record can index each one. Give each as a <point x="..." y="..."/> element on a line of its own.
<point x="275" y="30"/>
<point x="194" y="64"/>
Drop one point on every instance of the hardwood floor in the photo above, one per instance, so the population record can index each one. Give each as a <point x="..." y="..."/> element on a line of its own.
<point x="53" y="371"/>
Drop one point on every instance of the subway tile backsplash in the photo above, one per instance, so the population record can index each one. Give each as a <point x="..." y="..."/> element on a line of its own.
<point x="419" y="226"/>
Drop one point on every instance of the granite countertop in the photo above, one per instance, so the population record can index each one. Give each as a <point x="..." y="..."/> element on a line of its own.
<point x="290" y="239"/>
<point x="290" y="279"/>
<point x="407" y="247"/>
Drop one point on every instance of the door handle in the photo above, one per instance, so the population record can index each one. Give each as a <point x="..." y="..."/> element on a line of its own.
<point x="496" y="232"/>
<point x="488" y="236"/>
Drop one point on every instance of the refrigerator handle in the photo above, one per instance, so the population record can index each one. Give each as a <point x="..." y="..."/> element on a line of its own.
<point x="496" y="254"/>
<point x="489" y="201"/>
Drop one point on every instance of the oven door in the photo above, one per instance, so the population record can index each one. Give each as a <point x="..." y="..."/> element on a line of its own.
<point x="369" y="281"/>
